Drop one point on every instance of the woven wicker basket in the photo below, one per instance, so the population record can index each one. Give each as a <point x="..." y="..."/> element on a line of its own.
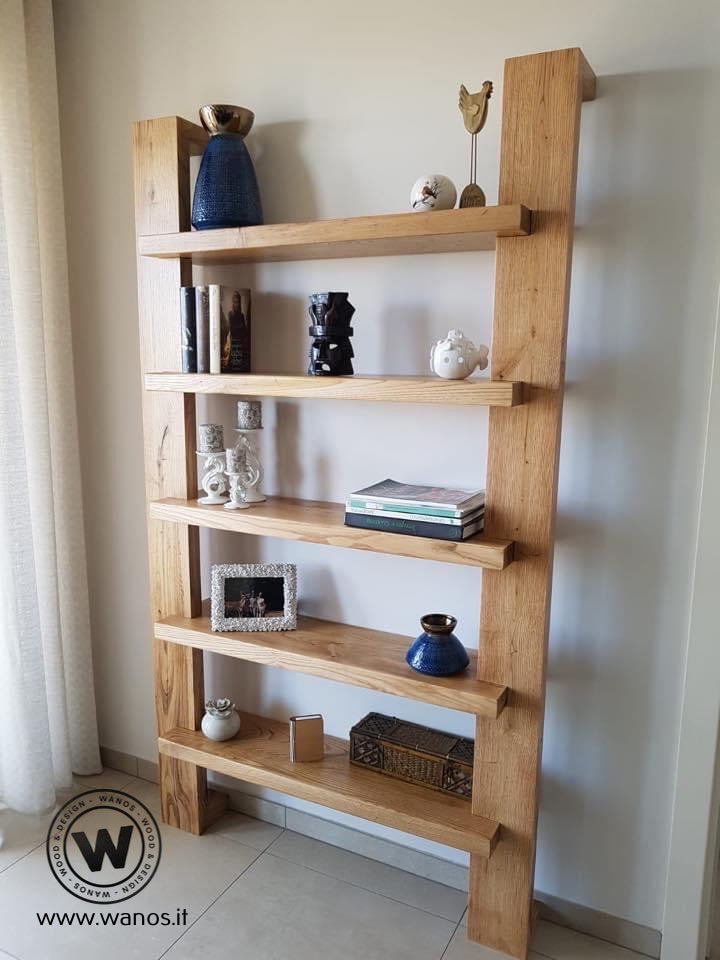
<point x="414" y="753"/>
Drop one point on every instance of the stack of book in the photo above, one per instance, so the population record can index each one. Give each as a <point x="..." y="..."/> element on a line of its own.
<point x="215" y="329"/>
<point x="437" y="512"/>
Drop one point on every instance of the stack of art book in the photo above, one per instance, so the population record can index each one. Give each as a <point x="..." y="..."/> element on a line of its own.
<point x="215" y="329"/>
<point x="437" y="512"/>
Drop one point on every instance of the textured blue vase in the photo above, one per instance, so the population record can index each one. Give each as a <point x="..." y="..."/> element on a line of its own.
<point x="226" y="189"/>
<point x="437" y="651"/>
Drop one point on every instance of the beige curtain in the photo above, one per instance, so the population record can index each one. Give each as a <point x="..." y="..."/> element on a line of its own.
<point x="47" y="707"/>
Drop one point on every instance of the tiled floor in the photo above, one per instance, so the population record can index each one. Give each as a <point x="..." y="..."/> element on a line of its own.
<point x="256" y="891"/>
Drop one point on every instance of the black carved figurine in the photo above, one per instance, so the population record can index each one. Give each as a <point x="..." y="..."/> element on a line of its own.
<point x="331" y="352"/>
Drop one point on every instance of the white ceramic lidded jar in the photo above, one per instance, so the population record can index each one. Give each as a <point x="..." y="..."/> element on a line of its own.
<point x="455" y="357"/>
<point x="221" y="720"/>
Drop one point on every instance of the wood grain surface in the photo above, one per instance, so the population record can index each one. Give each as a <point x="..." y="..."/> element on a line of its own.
<point x="319" y="522"/>
<point x="439" y="231"/>
<point x="542" y="95"/>
<point x="337" y="651"/>
<point x="161" y="151"/>
<point x="390" y="389"/>
<point x="260" y="754"/>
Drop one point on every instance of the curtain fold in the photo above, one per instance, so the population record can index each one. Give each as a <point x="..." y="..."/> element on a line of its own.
<point x="48" y="726"/>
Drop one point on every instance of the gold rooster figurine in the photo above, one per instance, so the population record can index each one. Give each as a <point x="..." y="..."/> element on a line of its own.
<point x="474" y="108"/>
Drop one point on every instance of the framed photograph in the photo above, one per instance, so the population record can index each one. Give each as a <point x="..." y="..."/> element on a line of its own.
<point x="253" y="596"/>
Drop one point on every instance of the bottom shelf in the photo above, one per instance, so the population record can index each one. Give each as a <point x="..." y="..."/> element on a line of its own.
<point x="260" y="755"/>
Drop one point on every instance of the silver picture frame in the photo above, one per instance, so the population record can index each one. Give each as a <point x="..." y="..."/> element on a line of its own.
<point x="220" y="622"/>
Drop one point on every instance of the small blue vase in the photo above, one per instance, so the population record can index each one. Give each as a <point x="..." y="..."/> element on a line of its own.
<point x="437" y="651"/>
<point x="226" y="189"/>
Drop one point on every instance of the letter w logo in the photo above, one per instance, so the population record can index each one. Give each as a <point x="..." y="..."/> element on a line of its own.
<point x="117" y="855"/>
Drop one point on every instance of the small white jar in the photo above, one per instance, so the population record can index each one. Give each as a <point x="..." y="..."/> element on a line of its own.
<point x="221" y="720"/>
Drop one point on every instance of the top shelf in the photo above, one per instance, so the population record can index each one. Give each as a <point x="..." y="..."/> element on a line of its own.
<point x="440" y="231"/>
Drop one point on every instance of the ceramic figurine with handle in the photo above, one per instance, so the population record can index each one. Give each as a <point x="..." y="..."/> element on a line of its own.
<point x="474" y="109"/>
<point x="456" y="357"/>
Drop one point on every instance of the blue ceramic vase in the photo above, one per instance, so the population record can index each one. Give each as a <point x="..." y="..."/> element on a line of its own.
<point x="437" y="651"/>
<point x="226" y="189"/>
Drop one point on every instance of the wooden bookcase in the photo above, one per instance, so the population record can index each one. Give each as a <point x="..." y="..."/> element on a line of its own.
<point x="531" y="231"/>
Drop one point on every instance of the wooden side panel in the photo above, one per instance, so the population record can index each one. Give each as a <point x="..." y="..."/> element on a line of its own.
<point x="161" y="151"/>
<point x="541" y="113"/>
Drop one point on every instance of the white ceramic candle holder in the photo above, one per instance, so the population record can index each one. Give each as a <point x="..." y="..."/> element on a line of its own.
<point x="213" y="479"/>
<point x="243" y="476"/>
<point x="237" y="493"/>
<point x="249" y="440"/>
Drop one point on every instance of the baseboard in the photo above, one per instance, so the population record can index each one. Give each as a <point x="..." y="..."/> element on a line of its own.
<point x="604" y="926"/>
<point x="127" y="763"/>
<point x="594" y="923"/>
<point x="117" y="760"/>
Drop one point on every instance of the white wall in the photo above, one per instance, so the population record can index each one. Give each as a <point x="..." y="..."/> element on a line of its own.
<point x="353" y="102"/>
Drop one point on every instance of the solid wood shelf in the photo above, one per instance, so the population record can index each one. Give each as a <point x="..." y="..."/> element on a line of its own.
<point x="478" y="391"/>
<point x="441" y="231"/>
<point x="260" y="755"/>
<point x="319" y="522"/>
<point x="336" y="651"/>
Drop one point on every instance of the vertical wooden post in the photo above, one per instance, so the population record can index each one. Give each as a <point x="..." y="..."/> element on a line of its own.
<point x="161" y="153"/>
<point x="542" y="95"/>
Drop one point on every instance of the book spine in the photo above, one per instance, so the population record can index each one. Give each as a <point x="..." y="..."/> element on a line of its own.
<point x="237" y="311"/>
<point x="215" y="325"/>
<point x="202" y="322"/>
<point x="420" y="517"/>
<point x="188" y="330"/>
<point x="413" y="528"/>
<point x="356" y="503"/>
<point x="293" y="727"/>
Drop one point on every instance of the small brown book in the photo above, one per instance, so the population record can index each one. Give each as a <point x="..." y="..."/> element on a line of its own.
<point x="306" y="738"/>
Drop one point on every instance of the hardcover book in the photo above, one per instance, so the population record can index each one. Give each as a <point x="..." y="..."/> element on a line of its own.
<point x="235" y="330"/>
<point x="415" y="528"/>
<point x="389" y="512"/>
<point x="307" y="741"/>
<point x="389" y="494"/>
<point x="202" y="322"/>
<point x="229" y="329"/>
<point x="215" y="326"/>
<point x="188" y="330"/>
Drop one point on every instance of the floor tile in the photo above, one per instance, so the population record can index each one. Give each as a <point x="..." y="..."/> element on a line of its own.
<point x="279" y="909"/>
<point x="193" y="872"/>
<point x="247" y="830"/>
<point x="463" y="949"/>
<point x="377" y="877"/>
<point x="147" y="793"/>
<point x="233" y="826"/>
<point x="109" y="779"/>
<point x="560" y="943"/>
<point x="19" y="834"/>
